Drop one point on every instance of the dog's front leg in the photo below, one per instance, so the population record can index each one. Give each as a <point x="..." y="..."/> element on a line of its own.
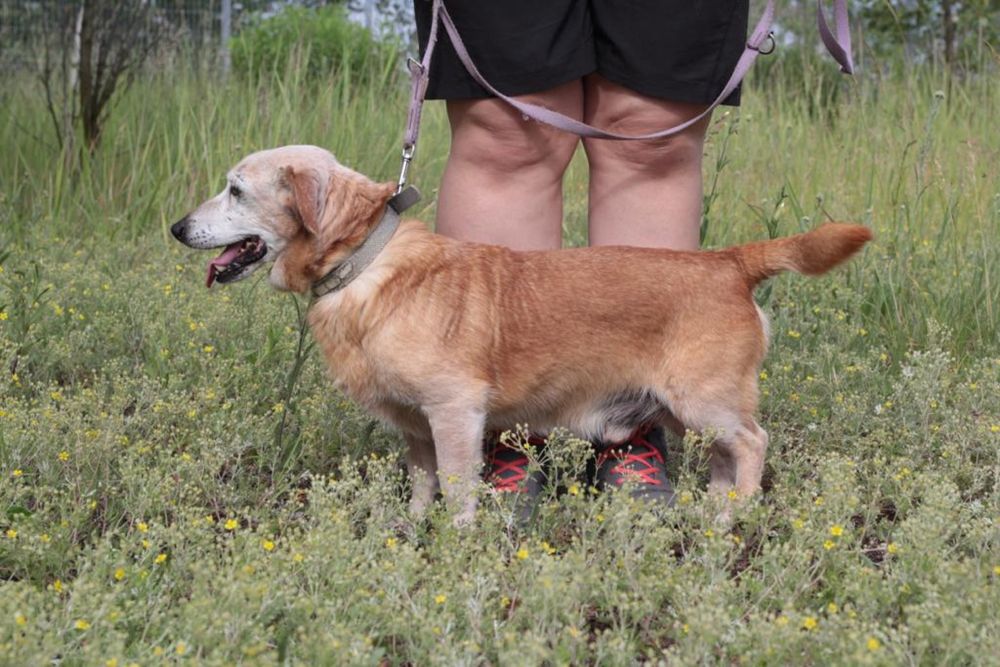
<point x="422" y="467"/>
<point x="458" y="444"/>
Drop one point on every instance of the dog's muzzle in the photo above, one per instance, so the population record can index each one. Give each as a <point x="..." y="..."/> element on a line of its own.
<point x="179" y="229"/>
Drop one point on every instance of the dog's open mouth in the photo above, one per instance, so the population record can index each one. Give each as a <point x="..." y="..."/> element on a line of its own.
<point x="231" y="263"/>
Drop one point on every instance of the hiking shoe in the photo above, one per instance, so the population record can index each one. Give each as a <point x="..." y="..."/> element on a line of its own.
<point x="506" y="471"/>
<point x="640" y="460"/>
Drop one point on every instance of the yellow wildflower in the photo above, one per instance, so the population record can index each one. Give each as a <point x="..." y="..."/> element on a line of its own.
<point x="522" y="553"/>
<point x="873" y="644"/>
<point x="832" y="608"/>
<point x="18" y="472"/>
<point x="232" y="524"/>
<point x="143" y="527"/>
<point x="836" y="530"/>
<point x="57" y="586"/>
<point x="160" y="559"/>
<point x="81" y="624"/>
<point x="574" y="490"/>
<point x="829" y="544"/>
<point x="440" y="598"/>
<point x="11" y="534"/>
<point x="892" y="548"/>
<point x="64" y="456"/>
<point x="268" y="545"/>
<point x="119" y="574"/>
<point x="548" y="548"/>
<point x="181" y="648"/>
<point x="809" y="622"/>
<point x="792" y="333"/>
<point x="21" y="619"/>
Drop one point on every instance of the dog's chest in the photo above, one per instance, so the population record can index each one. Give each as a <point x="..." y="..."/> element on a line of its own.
<point x="354" y="368"/>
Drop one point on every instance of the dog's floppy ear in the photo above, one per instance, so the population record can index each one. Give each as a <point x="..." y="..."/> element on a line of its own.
<point x="309" y="188"/>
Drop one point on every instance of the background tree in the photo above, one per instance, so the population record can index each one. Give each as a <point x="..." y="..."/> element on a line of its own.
<point x="89" y="51"/>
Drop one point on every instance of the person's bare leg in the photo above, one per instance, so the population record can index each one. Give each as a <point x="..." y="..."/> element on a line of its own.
<point x="503" y="180"/>
<point x="643" y="193"/>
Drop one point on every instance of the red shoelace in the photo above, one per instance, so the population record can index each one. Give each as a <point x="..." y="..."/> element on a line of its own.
<point x="506" y="476"/>
<point x="630" y="453"/>
<point x="518" y="469"/>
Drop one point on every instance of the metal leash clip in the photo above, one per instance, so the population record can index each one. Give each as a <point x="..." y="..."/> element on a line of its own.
<point x="404" y="168"/>
<point x="773" y="45"/>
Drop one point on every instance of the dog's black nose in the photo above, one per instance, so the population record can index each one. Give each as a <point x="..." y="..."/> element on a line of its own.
<point x="179" y="229"/>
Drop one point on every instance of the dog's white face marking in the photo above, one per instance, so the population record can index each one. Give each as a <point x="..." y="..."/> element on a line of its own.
<point x="234" y="214"/>
<point x="253" y="218"/>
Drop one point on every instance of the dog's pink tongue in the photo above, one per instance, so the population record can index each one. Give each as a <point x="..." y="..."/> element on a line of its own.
<point x="231" y="252"/>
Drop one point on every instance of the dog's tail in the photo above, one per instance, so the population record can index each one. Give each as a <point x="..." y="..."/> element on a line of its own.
<point x="812" y="253"/>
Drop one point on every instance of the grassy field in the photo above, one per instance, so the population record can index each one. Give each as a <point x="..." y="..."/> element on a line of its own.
<point x="173" y="490"/>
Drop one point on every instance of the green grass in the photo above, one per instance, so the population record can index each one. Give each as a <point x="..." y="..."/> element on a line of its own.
<point x="166" y="499"/>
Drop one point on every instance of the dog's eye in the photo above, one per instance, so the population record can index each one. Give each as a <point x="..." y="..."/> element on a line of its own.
<point x="235" y="191"/>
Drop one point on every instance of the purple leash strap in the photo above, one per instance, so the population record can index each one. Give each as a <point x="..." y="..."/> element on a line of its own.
<point x="419" y="76"/>
<point x="839" y="47"/>
<point x="563" y="122"/>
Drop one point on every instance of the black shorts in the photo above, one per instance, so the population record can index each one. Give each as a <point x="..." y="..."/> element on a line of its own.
<point x="670" y="50"/>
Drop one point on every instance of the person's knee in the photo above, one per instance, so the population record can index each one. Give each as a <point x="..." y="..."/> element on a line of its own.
<point x="500" y="142"/>
<point x="658" y="157"/>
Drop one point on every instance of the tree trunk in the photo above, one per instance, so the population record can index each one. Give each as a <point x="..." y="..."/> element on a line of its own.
<point x="947" y="11"/>
<point x="88" y="112"/>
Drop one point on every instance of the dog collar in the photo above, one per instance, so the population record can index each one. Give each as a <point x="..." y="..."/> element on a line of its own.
<point x="343" y="273"/>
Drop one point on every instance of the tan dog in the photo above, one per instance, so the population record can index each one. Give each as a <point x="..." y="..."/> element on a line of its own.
<point x="446" y="340"/>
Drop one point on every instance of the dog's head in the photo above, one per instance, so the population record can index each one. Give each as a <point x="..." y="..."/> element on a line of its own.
<point x="295" y="206"/>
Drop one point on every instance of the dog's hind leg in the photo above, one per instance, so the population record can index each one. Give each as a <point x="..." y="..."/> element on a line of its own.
<point x="722" y="470"/>
<point x="741" y="460"/>
<point x="723" y="409"/>
<point x="422" y="467"/>
<point x="750" y="448"/>
<point x="458" y="444"/>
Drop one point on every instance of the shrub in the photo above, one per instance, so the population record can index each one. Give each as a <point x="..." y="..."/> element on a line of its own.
<point x="314" y="42"/>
